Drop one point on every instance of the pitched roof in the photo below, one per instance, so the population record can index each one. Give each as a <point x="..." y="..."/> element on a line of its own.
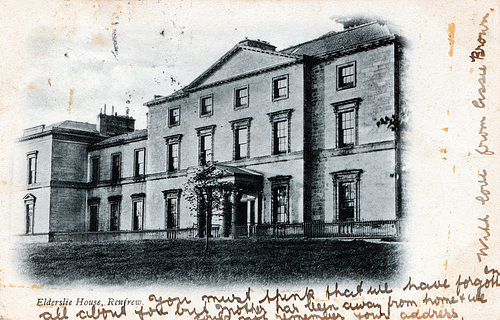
<point x="335" y="41"/>
<point x="229" y="54"/>
<point x="73" y="125"/>
<point x="330" y="42"/>
<point x="122" y="138"/>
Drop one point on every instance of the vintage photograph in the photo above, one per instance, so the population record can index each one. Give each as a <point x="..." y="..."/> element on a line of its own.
<point x="249" y="159"/>
<point x="278" y="157"/>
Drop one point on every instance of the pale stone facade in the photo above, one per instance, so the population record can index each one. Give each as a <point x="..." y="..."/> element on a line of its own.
<point x="297" y="129"/>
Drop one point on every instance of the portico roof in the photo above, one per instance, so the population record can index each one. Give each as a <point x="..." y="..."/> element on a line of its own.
<point x="242" y="177"/>
<point x="231" y="170"/>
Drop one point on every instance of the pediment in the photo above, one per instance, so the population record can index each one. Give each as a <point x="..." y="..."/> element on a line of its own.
<point x="29" y="197"/>
<point x="238" y="61"/>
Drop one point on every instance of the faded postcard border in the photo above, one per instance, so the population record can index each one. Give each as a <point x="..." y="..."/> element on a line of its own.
<point x="452" y="232"/>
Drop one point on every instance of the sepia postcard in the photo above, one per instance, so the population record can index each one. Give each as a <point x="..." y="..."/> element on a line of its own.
<point x="249" y="160"/>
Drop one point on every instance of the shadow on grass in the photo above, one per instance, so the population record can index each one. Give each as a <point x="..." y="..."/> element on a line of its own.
<point x="234" y="261"/>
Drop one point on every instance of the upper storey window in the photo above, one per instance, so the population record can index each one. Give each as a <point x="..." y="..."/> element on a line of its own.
<point x="241" y="137"/>
<point x="94" y="167"/>
<point x="280" y="131"/>
<point x="139" y="162"/>
<point x="280" y="87"/>
<point x="347" y="128"/>
<point x="346" y="113"/>
<point x="206" y="106"/>
<point x="241" y="98"/>
<point x="32" y="159"/>
<point x="173" y="152"/>
<point x="115" y="167"/>
<point x="346" y="76"/>
<point x="205" y="144"/>
<point x="174" y="116"/>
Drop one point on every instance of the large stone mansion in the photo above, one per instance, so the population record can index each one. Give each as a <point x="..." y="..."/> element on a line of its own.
<point x="297" y="131"/>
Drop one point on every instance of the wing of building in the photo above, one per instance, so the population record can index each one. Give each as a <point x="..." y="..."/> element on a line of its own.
<point x="308" y="135"/>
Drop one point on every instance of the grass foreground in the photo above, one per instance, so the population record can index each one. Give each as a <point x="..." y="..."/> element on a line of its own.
<point x="227" y="261"/>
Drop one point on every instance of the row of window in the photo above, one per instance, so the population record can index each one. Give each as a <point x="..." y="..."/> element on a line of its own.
<point x="172" y="199"/>
<point x="346" y="113"/>
<point x="139" y="166"/>
<point x="280" y="126"/>
<point x="346" y="191"/>
<point x="346" y="78"/>
<point x="280" y="122"/>
<point x="241" y="150"/>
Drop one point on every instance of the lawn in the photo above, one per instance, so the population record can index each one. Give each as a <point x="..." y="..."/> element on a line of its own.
<point x="234" y="261"/>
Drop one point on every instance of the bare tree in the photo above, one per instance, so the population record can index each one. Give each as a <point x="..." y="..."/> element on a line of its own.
<point x="205" y="191"/>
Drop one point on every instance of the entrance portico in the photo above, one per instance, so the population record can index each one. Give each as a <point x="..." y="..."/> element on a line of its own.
<point x="242" y="207"/>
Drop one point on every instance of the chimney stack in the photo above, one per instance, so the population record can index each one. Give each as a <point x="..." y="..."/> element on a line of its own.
<point x="260" y="44"/>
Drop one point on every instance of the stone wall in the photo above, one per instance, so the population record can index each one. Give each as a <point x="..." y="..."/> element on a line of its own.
<point x="373" y="152"/>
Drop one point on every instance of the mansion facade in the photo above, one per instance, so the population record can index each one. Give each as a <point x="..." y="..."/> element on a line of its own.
<point x="297" y="131"/>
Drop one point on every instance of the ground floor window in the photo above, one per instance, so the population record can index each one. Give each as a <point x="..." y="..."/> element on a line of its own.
<point x="93" y="222"/>
<point x="346" y="194"/>
<point x="138" y="214"/>
<point x="114" y="224"/>
<point x="280" y="189"/>
<point x="172" y="200"/>
<point x="94" y="214"/>
<point x="138" y="211"/>
<point x="29" y="205"/>
<point x="114" y="212"/>
<point x="29" y="218"/>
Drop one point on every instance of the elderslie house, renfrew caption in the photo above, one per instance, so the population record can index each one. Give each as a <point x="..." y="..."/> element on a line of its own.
<point x="308" y="136"/>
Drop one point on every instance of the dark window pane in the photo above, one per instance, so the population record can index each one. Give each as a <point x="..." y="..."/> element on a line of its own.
<point x="94" y="216"/>
<point x="347" y="128"/>
<point x="241" y="97"/>
<point x="174" y="116"/>
<point x="172" y="213"/>
<point x="139" y="163"/>
<point x="173" y="157"/>
<point x="114" y="216"/>
<point x="241" y="143"/>
<point x="280" y="88"/>
<point x="137" y="207"/>
<point x="95" y="169"/>
<point x="206" y="105"/>
<point x="29" y="218"/>
<point x="31" y="170"/>
<point x="346" y="76"/>
<point x="115" y="167"/>
<point x="205" y="149"/>
<point x="281" y="137"/>
<point x="347" y="200"/>
<point x="280" y="204"/>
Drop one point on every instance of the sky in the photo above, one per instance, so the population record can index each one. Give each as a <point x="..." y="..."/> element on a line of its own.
<point x="78" y="56"/>
<point x="67" y="59"/>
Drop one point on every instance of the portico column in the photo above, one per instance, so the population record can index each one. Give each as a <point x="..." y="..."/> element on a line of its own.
<point x="226" y="215"/>
<point x="260" y="200"/>
<point x="235" y="199"/>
